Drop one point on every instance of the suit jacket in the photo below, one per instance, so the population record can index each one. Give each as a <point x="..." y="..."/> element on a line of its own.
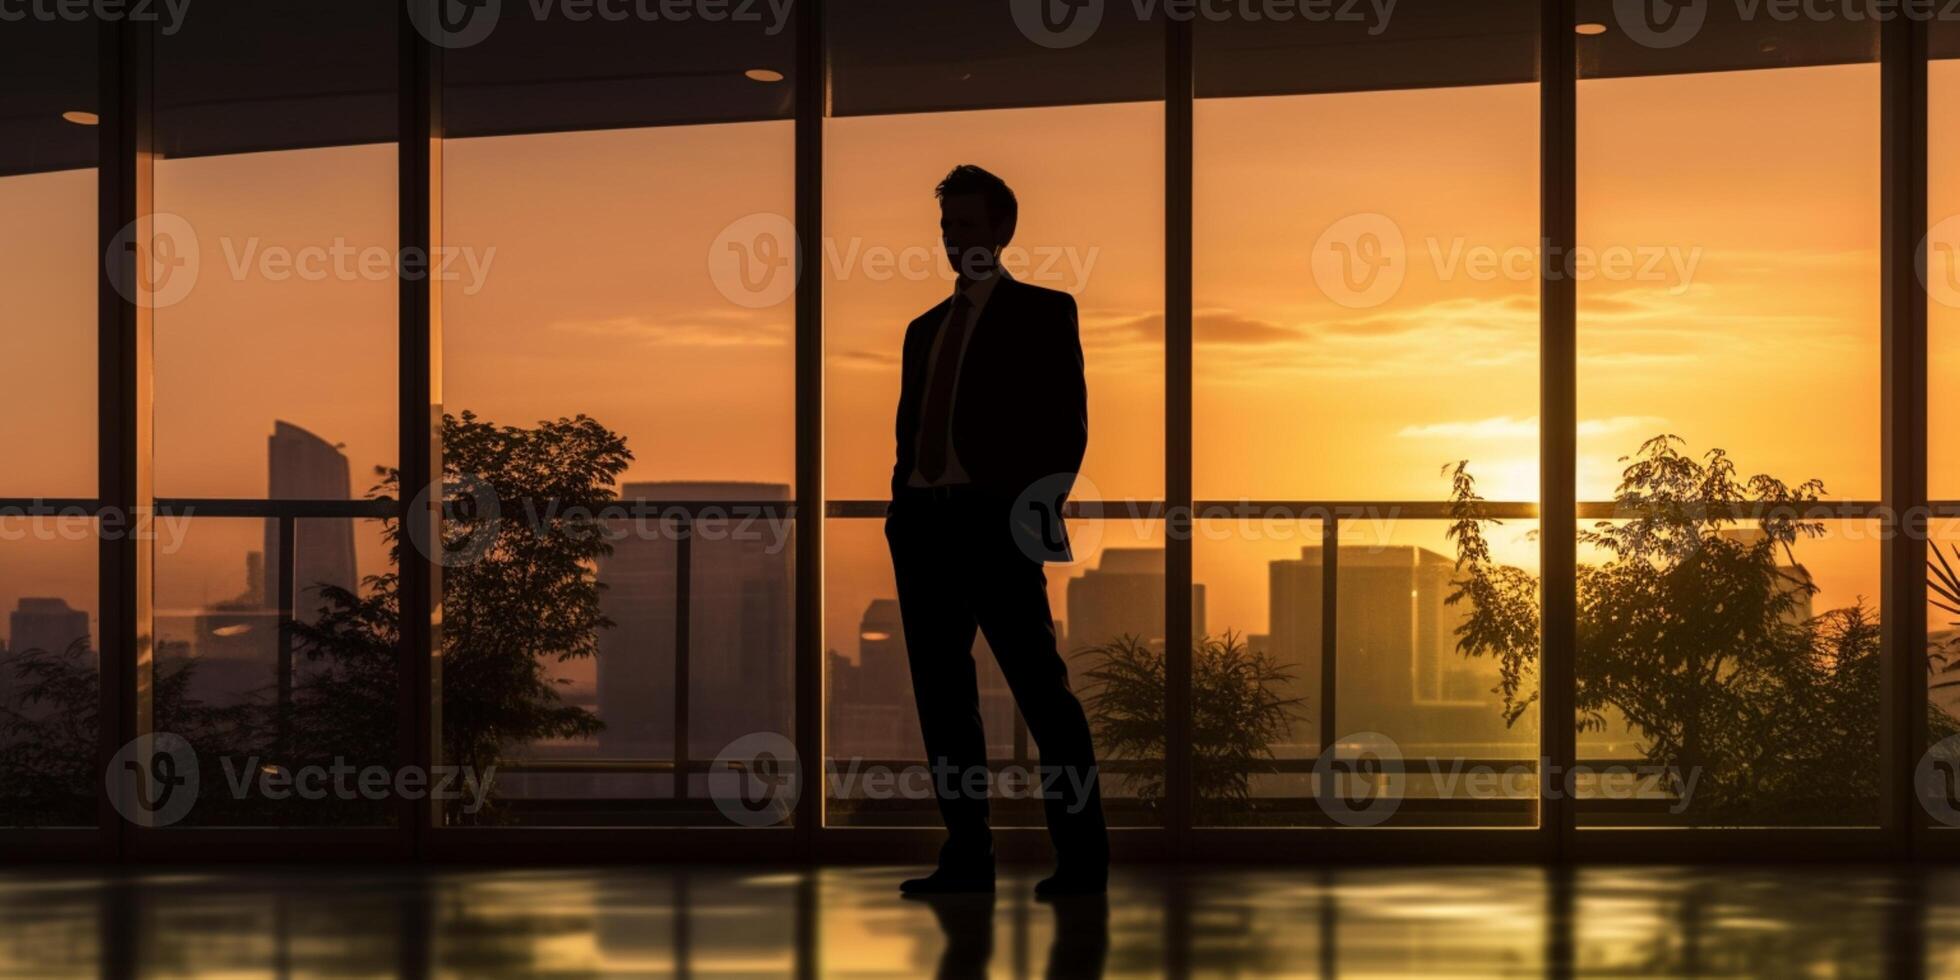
<point x="1021" y="411"/>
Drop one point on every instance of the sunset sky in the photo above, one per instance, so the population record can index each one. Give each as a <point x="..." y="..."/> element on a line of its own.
<point x="597" y="299"/>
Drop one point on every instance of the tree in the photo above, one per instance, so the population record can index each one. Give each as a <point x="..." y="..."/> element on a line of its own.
<point x="1237" y="714"/>
<point x="1694" y="630"/>
<point x="49" y="772"/>
<point x="520" y="591"/>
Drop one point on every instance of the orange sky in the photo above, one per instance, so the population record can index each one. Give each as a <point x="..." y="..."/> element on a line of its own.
<point x="598" y="300"/>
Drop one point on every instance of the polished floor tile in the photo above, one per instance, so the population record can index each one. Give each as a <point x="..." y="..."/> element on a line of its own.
<point x="1431" y="922"/>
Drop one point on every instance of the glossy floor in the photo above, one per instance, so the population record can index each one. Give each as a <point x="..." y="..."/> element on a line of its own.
<point x="849" y="922"/>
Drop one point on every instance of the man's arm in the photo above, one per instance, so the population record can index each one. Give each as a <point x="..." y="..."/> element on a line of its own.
<point x="906" y="423"/>
<point x="1073" y="388"/>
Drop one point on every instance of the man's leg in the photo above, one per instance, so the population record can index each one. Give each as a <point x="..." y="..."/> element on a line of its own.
<point x="1010" y="596"/>
<point x="939" y="627"/>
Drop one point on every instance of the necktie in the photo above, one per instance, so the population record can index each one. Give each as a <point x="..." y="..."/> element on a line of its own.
<point x="934" y="437"/>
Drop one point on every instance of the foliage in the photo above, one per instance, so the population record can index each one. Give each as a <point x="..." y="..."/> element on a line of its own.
<point x="1695" y="632"/>
<point x="49" y="772"/>
<point x="1237" y="714"/>
<point x="520" y="591"/>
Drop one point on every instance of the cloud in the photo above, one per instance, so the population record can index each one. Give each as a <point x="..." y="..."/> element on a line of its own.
<point x="1227" y="327"/>
<point x="1509" y="427"/>
<point x="876" y="360"/>
<point x="710" y="328"/>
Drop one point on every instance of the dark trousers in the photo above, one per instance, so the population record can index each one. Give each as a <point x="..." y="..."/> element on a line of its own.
<point x="958" y="568"/>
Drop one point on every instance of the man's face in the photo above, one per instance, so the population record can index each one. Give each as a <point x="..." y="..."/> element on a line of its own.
<point x="972" y="242"/>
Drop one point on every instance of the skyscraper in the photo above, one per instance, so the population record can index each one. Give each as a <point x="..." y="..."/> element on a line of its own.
<point x="1124" y="596"/>
<point x="303" y="466"/>
<point x="1397" y="668"/>
<point x="739" y="625"/>
<point x="46" y="624"/>
<point x="875" y="715"/>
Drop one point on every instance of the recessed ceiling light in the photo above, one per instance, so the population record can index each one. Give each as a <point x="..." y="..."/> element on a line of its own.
<point x="763" y="75"/>
<point x="1590" y="29"/>
<point x="80" y="118"/>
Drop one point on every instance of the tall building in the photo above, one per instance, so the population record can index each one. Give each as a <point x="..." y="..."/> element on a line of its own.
<point x="1397" y="668"/>
<point x="740" y="636"/>
<point x="303" y="466"/>
<point x="872" y="713"/>
<point x="47" y="624"/>
<point x="1124" y="596"/>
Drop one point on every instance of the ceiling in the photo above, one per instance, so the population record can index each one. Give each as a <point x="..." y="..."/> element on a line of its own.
<point x="244" y="75"/>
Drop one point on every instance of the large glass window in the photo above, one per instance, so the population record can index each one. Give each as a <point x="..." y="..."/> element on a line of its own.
<point x="1089" y="182"/>
<point x="275" y="376"/>
<point x="1940" y="264"/>
<point x="630" y="337"/>
<point x="1733" y="359"/>
<point x="1365" y="312"/>
<point x="48" y="263"/>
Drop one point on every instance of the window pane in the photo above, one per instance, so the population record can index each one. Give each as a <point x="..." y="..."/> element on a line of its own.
<point x="49" y="254"/>
<point x="1936" y="777"/>
<point x="1108" y="604"/>
<point x="1255" y="611"/>
<point x="632" y="323"/>
<point x="269" y="705"/>
<point x="1362" y="312"/>
<point x="1760" y="187"/>
<point x="49" y="693"/>
<point x="276" y="295"/>
<point x="1090" y="189"/>
<point x="1941" y="261"/>
<point x="48" y="257"/>
<point x="1089" y="183"/>
<point x="1406" y="611"/>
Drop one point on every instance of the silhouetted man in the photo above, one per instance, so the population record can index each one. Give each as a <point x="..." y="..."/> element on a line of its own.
<point x="992" y="422"/>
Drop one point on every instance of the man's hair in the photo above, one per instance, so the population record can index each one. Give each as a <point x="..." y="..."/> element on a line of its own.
<point x="1002" y="210"/>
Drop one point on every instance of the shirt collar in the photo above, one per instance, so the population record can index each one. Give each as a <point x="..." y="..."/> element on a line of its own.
<point x="976" y="292"/>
